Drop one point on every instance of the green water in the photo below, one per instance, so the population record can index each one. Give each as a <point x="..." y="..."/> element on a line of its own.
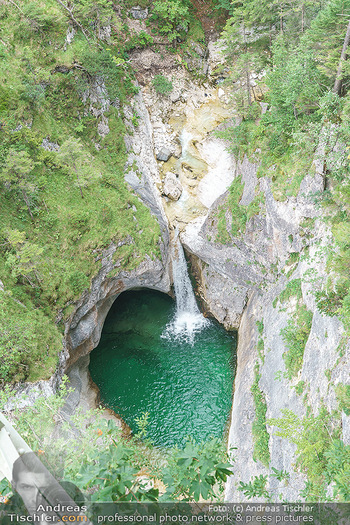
<point x="186" y="388"/>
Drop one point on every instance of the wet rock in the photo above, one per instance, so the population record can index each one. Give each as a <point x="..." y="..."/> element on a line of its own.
<point x="138" y="13"/>
<point x="172" y="187"/>
<point x="164" y="155"/>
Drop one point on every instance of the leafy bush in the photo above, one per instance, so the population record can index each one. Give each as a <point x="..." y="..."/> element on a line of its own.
<point x="139" y="41"/>
<point x="343" y="397"/>
<point x="295" y="336"/>
<point x="162" y="85"/>
<point x="260" y="435"/>
<point x="338" y="469"/>
<point x="255" y="488"/>
<point x="320" y="453"/>
<point x="172" y="17"/>
<point x="108" y="464"/>
<point x="78" y="282"/>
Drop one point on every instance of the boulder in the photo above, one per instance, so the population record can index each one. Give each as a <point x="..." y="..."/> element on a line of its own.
<point x="175" y="96"/>
<point x="172" y="187"/>
<point x="50" y="146"/>
<point x="164" y="154"/>
<point x="200" y="50"/>
<point x="138" y="13"/>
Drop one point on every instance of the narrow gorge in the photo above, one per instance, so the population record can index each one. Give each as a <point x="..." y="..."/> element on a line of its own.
<point x="241" y="281"/>
<point x="182" y="245"/>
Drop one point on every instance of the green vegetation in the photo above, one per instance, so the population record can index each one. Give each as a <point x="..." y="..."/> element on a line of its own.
<point x="260" y="325"/>
<point x="260" y="345"/>
<point x="295" y="336"/>
<point x="306" y="88"/>
<point x="173" y="17"/>
<point x="162" y="85"/>
<point x="239" y="214"/>
<point x="260" y="434"/>
<point x="343" y="397"/>
<point x="299" y="388"/>
<point x="113" y="467"/>
<point x="61" y="206"/>
<point x="292" y="289"/>
<point x="296" y="333"/>
<point x="320" y="453"/>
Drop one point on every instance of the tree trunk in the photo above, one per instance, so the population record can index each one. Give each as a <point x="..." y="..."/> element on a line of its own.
<point x="77" y="174"/>
<point x="281" y="21"/>
<point x="247" y="68"/>
<point x="74" y="20"/>
<point x="338" y="78"/>
<point x="26" y="200"/>
<point x="302" y="17"/>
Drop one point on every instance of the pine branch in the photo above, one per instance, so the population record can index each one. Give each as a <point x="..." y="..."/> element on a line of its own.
<point x="74" y="19"/>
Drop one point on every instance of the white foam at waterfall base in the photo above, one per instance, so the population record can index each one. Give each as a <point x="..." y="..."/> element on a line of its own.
<point x="188" y="319"/>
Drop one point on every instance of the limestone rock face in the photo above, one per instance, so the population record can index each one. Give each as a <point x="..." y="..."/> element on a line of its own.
<point x="241" y="276"/>
<point x="49" y="146"/>
<point x="172" y="187"/>
<point x="83" y="330"/>
<point x="142" y="170"/>
<point x="215" y="56"/>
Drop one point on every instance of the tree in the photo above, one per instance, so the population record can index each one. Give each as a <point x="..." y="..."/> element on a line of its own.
<point x="172" y="15"/>
<point x="99" y="12"/>
<point x="17" y="170"/>
<point x="338" y="78"/>
<point x="25" y="256"/>
<point x="245" y="52"/>
<point x="329" y="36"/>
<point x="75" y="158"/>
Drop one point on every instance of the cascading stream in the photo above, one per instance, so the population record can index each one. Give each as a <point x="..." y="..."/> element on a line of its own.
<point x="188" y="319"/>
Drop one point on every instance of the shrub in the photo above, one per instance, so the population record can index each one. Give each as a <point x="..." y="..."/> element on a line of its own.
<point x="78" y="282"/>
<point x="295" y="336"/>
<point x="172" y="17"/>
<point x="162" y="85"/>
<point x="260" y="435"/>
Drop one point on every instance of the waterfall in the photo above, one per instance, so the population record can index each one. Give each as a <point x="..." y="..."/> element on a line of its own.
<point x="188" y="320"/>
<point x="185" y="139"/>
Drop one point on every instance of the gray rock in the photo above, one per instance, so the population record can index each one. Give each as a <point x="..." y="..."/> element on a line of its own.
<point x="50" y="146"/>
<point x="70" y="35"/>
<point x="164" y="155"/>
<point x="200" y="50"/>
<point x="172" y="187"/>
<point x="175" y="96"/>
<point x="138" y="13"/>
<point x="102" y="127"/>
